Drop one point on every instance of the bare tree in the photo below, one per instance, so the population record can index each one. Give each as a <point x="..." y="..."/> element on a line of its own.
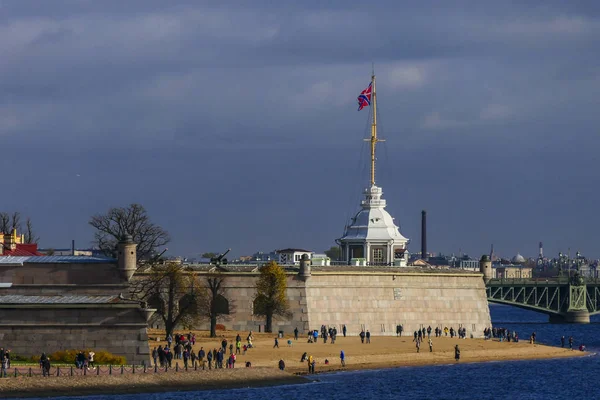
<point x="174" y="292"/>
<point x="214" y="303"/>
<point x="4" y="223"/>
<point x="15" y="222"/>
<point x="30" y="236"/>
<point x="132" y="220"/>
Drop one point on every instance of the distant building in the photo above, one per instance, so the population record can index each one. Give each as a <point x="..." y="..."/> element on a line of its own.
<point x="264" y="257"/>
<point x="71" y="252"/>
<point x="466" y="263"/>
<point x="515" y="269"/>
<point x="512" y="272"/>
<point x="292" y="256"/>
<point x="14" y="245"/>
<point x="441" y="260"/>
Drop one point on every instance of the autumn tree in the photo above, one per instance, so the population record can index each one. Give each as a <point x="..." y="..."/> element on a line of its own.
<point x="215" y="305"/>
<point x="333" y="253"/>
<point x="173" y="291"/>
<point x="132" y="220"/>
<point x="270" y="299"/>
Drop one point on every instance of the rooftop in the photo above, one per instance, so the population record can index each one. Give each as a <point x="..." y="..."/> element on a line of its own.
<point x="54" y="260"/>
<point x="58" y="299"/>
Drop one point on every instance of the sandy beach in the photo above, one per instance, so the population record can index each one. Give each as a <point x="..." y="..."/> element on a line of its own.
<point x="382" y="352"/>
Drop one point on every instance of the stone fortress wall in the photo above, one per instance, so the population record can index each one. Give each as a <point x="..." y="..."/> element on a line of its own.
<point x="376" y="300"/>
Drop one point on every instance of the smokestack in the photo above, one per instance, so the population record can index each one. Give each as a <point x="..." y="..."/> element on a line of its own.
<point x="73" y="247"/>
<point x="541" y="250"/>
<point x="424" y="235"/>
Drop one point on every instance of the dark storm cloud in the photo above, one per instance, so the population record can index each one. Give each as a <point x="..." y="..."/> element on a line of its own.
<point x="235" y="122"/>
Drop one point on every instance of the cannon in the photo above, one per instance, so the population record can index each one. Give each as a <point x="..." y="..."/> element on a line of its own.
<point x="220" y="259"/>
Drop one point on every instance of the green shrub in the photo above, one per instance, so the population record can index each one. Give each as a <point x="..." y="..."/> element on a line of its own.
<point x="16" y="357"/>
<point x="101" y="357"/>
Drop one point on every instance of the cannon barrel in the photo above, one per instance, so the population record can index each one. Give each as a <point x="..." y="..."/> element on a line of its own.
<point x="220" y="257"/>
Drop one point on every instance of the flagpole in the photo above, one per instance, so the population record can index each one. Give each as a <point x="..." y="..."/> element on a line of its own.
<point x="373" y="130"/>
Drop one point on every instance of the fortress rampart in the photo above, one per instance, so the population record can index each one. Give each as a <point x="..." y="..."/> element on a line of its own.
<point x="376" y="299"/>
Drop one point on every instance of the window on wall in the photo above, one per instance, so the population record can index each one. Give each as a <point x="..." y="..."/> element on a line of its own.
<point x="378" y="255"/>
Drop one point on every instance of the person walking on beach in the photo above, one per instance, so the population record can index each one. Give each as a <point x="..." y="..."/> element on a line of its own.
<point x="209" y="358"/>
<point x="368" y="336"/>
<point x="4" y="366"/>
<point x="430" y="346"/>
<point x="418" y="345"/>
<point x="362" y="336"/>
<point x="154" y="355"/>
<point x="91" y="364"/>
<point x="562" y="341"/>
<point x="456" y="353"/>
<point x="343" y="358"/>
<point x="571" y="342"/>
<point x="46" y="367"/>
<point x="281" y="365"/>
<point x="310" y="363"/>
<point x="276" y="343"/>
<point x="296" y="333"/>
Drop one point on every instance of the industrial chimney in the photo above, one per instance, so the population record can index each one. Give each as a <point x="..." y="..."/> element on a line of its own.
<point x="541" y="251"/>
<point x="424" y="235"/>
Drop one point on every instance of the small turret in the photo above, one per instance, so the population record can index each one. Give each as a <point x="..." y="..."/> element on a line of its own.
<point x="485" y="267"/>
<point x="304" y="272"/>
<point x="126" y="257"/>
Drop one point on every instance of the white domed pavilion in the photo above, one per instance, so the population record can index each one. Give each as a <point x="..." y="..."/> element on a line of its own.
<point x="372" y="234"/>
<point x="372" y="237"/>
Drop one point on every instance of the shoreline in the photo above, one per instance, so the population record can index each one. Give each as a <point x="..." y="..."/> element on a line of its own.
<point x="377" y="366"/>
<point x="382" y="353"/>
<point x="190" y="381"/>
<point x="147" y="383"/>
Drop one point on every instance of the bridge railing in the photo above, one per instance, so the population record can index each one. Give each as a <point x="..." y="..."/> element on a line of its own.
<point x="562" y="280"/>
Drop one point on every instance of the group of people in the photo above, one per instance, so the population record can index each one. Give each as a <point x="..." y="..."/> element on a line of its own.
<point x="4" y="361"/>
<point x="82" y="359"/>
<point x="504" y="334"/>
<point x="311" y="361"/>
<point x="325" y="333"/>
<point x="571" y="340"/>
<point x="217" y="358"/>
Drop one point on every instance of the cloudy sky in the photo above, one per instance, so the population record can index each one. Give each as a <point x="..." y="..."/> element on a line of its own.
<point x="235" y="124"/>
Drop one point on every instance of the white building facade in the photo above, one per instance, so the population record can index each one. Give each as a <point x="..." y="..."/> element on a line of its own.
<point x="372" y="237"/>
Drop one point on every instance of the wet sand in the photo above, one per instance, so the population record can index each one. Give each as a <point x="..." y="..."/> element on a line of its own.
<point x="382" y="352"/>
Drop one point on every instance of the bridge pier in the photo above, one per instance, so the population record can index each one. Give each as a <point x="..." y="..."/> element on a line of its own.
<point x="571" y="317"/>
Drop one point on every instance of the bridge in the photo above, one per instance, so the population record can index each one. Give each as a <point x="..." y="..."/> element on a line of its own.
<point x="565" y="299"/>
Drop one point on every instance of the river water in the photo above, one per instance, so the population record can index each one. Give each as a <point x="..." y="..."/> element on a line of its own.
<point x="514" y="380"/>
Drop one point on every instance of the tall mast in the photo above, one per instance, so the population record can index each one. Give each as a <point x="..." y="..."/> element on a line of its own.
<point x="373" y="139"/>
